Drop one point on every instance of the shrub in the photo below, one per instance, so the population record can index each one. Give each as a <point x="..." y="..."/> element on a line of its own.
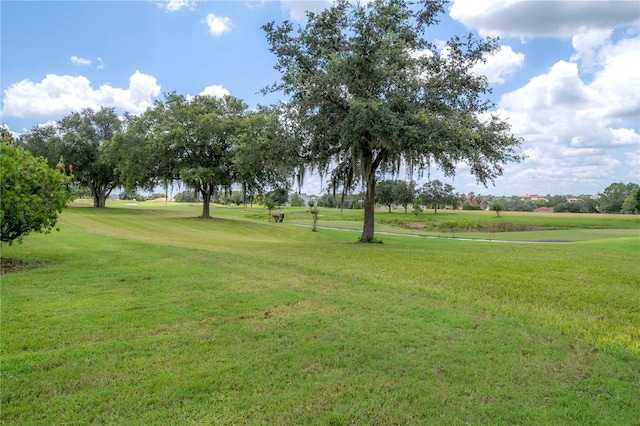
<point x="468" y="206"/>
<point x="33" y="194"/>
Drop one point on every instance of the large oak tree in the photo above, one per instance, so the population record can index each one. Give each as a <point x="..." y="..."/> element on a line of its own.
<point x="370" y="93"/>
<point x="79" y="138"/>
<point x="205" y="142"/>
<point x="180" y="138"/>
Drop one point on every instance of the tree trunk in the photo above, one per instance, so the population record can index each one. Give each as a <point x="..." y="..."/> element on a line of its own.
<point x="369" y="208"/>
<point x="206" y="200"/>
<point x="100" y="200"/>
<point x="100" y="195"/>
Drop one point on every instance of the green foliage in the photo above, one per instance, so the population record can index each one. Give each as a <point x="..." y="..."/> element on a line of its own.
<point x="469" y="206"/>
<point x="438" y="195"/>
<point x="33" y="194"/>
<point x="187" y="197"/>
<point x="358" y="115"/>
<point x="276" y="198"/>
<point x="573" y="207"/>
<point x="417" y="209"/>
<point x="496" y="207"/>
<point x="611" y="200"/>
<point x="80" y="138"/>
<point x="265" y="152"/>
<point x="297" y="200"/>
<point x="384" y="193"/>
<point x="513" y="203"/>
<point x="631" y="204"/>
<point x="187" y="139"/>
<point x="389" y="192"/>
<point x="130" y="195"/>
<point x="327" y="200"/>
<point x="404" y="193"/>
<point x="314" y="218"/>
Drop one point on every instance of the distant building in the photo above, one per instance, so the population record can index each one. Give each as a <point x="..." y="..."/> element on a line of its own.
<point x="534" y="197"/>
<point x="475" y="202"/>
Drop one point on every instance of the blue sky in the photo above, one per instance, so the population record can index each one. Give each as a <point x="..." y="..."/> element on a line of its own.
<point x="566" y="77"/>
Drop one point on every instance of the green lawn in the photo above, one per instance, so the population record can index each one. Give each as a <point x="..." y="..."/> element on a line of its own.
<point x="145" y="314"/>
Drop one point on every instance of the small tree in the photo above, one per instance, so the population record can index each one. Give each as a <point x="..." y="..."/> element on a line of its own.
<point x="438" y="195"/>
<point x="33" y="194"/>
<point x="275" y="198"/>
<point x="496" y="207"/>
<point x="384" y="194"/>
<point x="404" y="193"/>
<point x="314" y="216"/>
<point x="297" y="201"/>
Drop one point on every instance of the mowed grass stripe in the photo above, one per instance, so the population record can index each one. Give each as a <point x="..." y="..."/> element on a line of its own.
<point x="156" y="318"/>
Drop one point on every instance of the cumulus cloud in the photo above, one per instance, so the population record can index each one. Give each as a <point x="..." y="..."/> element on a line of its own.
<point x="577" y="131"/>
<point x="75" y="60"/>
<point x="176" y="5"/>
<point x="218" y="25"/>
<point x="499" y="64"/>
<point x="587" y="43"/>
<point x="57" y="95"/>
<point x="216" y="91"/>
<point x="558" y="18"/>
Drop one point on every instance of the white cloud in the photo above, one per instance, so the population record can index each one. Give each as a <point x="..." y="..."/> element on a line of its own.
<point x="75" y="60"/>
<point x="499" y="64"/>
<point x="633" y="160"/>
<point x="218" y="25"/>
<point x="587" y="43"/>
<point x="298" y="9"/>
<point x="558" y="18"/>
<point x="576" y="132"/>
<point x="176" y="5"/>
<point x="616" y="80"/>
<point x="57" y="95"/>
<point x="216" y="91"/>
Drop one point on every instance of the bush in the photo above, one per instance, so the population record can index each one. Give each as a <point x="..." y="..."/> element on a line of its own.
<point x="468" y="206"/>
<point x="33" y="194"/>
<point x="575" y="207"/>
<point x="297" y="201"/>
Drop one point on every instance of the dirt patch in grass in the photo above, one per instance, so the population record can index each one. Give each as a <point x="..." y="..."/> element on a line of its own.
<point x="8" y="266"/>
<point x="413" y="225"/>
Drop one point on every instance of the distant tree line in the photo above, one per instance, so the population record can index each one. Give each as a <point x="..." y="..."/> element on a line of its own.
<point x="616" y="198"/>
